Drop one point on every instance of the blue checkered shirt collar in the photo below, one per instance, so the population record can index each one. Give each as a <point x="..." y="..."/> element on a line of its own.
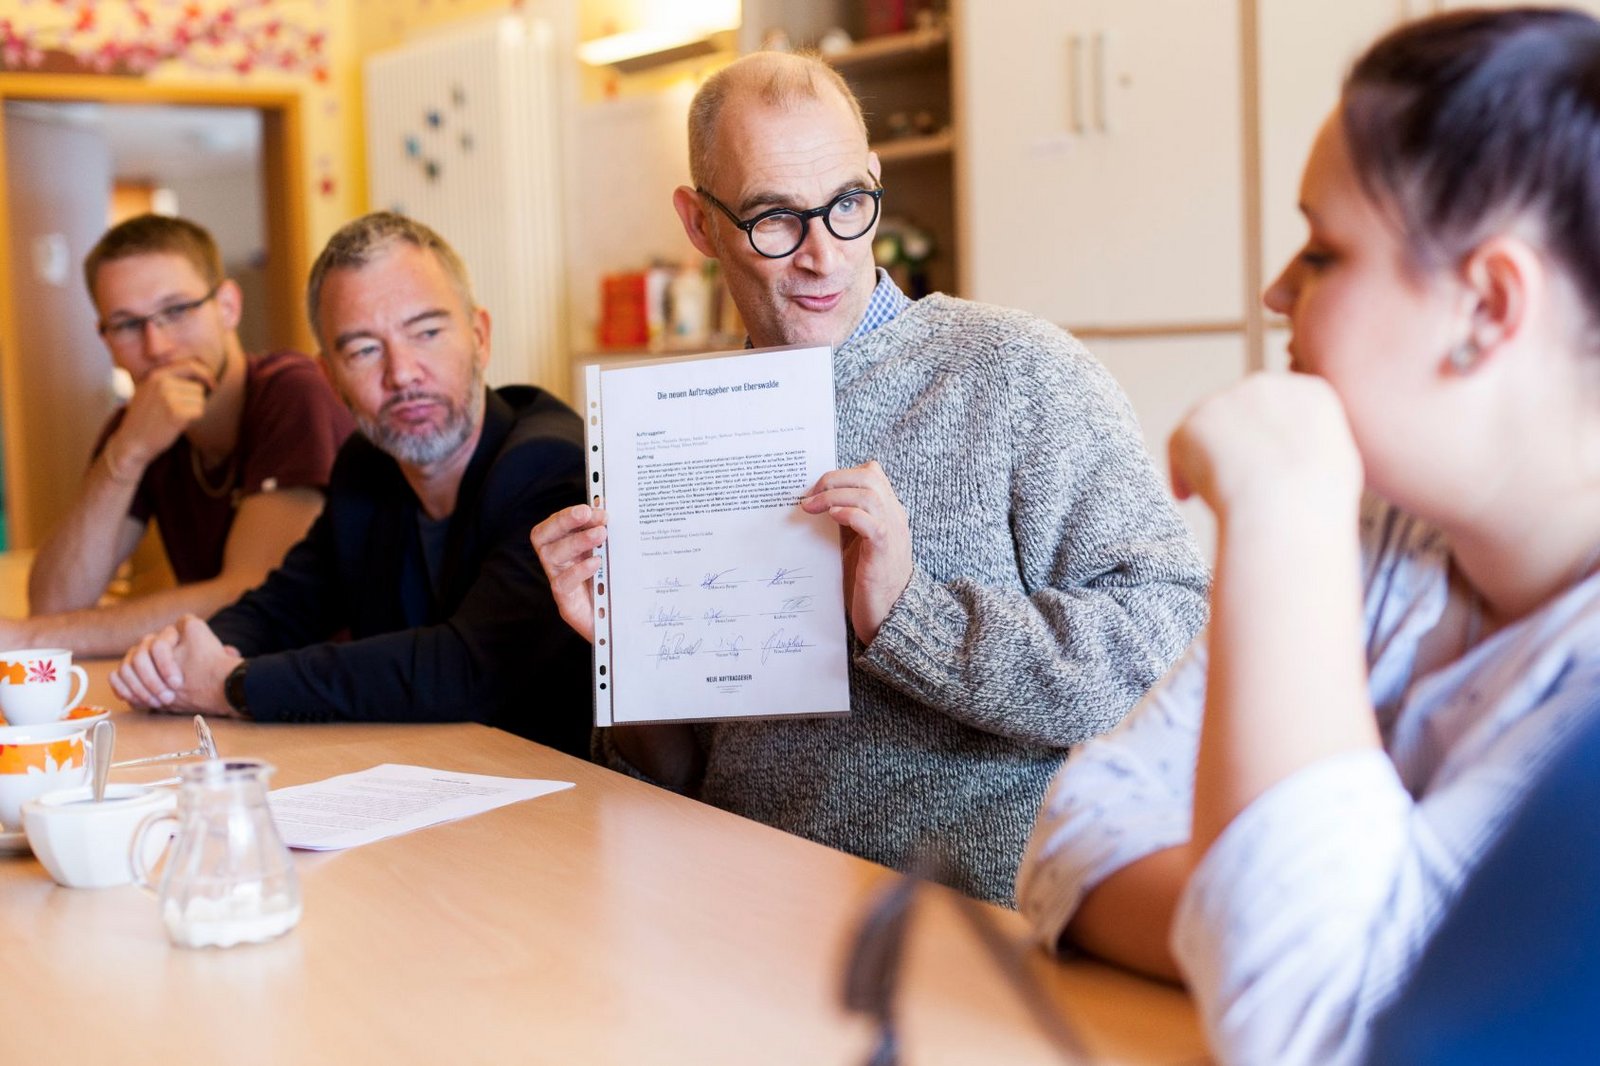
<point x="883" y="307"/>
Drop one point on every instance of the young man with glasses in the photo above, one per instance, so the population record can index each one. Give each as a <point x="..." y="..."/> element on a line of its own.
<point x="229" y="453"/>
<point x="1016" y="574"/>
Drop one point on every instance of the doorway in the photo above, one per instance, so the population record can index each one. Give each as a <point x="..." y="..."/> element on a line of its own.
<point x="203" y="163"/>
<point x="58" y="169"/>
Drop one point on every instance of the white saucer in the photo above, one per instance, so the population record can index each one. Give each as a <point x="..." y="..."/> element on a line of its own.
<point x="14" y="842"/>
<point x="66" y="727"/>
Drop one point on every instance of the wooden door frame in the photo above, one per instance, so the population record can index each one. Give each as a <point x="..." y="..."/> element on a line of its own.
<point x="284" y="224"/>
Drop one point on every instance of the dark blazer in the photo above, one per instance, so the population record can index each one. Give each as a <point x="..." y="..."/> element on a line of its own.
<point x="489" y="648"/>
<point x="1513" y="974"/>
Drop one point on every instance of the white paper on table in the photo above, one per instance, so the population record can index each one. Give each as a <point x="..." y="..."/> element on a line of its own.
<point x="387" y="800"/>
<point x="717" y="597"/>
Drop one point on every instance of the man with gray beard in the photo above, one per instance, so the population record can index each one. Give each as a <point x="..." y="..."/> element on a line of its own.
<point x="420" y="557"/>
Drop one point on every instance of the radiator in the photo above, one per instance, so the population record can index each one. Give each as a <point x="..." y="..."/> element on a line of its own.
<point x="463" y="133"/>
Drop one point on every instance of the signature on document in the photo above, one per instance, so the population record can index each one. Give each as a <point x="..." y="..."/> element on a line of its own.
<point x="718" y="580"/>
<point x="729" y="647"/>
<point x="675" y="646"/>
<point x="779" y="644"/>
<point x="793" y="605"/>
<point x="665" y="616"/>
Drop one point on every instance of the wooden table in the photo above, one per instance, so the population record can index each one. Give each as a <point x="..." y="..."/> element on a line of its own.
<point x="609" y="923"/>
<point x="14" y="566"/>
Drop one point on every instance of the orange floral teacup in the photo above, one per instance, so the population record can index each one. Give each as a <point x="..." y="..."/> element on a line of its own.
<point x="38" y="759"/>
<point x="36" y="684"/>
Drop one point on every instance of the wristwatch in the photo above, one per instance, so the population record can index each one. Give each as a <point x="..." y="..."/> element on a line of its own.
<point x="233" y="689"/>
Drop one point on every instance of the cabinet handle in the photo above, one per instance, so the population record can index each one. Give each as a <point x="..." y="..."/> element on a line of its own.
<point x="1102" y="87"/>
<point x="1075" y="82"/>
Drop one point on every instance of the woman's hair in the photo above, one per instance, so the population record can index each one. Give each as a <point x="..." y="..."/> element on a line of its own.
<point x="1466" y="122"/>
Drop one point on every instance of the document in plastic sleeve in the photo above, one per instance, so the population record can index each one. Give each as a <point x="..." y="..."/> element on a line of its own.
<point x="717" y="597"/>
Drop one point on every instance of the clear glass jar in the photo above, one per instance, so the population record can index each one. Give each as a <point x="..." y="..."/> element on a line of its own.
<point x="228" y="878"/>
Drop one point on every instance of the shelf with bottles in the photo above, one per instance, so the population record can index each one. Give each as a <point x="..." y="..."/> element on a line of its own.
<point x="897" y="56"/>
<point x="667" y="308"/>
<point x="917" y="146"/>
<point x="929" y="45"/>
<point x="908" y="118"/>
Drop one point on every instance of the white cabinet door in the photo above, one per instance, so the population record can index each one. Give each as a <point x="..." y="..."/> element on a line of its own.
<point x="1164" y="377"/>
<point x="1169" y="206"/>
<point x="1103" y="158"/>
<point x="1028" y="163"/>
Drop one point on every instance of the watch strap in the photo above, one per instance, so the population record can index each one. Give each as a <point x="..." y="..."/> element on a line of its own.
<point x="233" y="688"/>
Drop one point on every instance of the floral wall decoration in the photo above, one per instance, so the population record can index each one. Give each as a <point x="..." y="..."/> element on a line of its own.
<point x="134" y="37"/>
<point x="314" y="48"/>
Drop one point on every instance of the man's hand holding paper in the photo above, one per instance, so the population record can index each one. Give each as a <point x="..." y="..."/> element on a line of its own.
<point x="877" y="545"/>
<point x="565" y="544"/>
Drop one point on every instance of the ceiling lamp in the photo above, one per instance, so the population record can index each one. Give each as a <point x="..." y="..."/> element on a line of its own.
<point x="686" y="31"/>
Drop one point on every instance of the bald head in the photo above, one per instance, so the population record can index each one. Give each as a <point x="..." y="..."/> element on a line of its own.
<point x="774" y="79"/>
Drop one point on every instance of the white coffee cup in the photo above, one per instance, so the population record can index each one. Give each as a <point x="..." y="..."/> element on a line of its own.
<point x="84" y="844"/>
<point x="35" y="685"/>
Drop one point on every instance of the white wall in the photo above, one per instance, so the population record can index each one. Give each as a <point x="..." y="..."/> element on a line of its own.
<point x="57" y="385"/>
<point x="229" y="205"/>
<point x="630" y="154"/>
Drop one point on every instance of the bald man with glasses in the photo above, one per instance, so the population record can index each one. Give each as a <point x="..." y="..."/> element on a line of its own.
<point x="228" y="453"/>
<point x="1016" y="573"/>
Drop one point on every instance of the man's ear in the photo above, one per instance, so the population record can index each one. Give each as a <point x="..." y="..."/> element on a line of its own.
<point x="481" y="333"/>
<point x="231" y="302"/>
<point x="875" y="167"/>
<point x="696" y="221"/>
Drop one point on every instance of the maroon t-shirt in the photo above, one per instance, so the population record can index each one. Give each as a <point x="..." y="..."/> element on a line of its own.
<point x="291" y="428"/>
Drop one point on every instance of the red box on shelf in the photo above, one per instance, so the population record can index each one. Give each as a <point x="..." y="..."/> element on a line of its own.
<point x="624" y="313"/>
<point x="886" y="16"/>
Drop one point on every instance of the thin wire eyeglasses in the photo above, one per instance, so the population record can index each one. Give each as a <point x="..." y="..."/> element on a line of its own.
<point x="780" y="232"/>
<point x="128" y="332"/>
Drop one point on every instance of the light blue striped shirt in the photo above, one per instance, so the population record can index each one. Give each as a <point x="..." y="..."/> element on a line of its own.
<point x="1310" y="909"/>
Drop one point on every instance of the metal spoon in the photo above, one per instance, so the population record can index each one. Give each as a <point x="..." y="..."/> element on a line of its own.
<point x="202" y="732"/>
<point x="205" y="747"/>
<point x="102" y="740"/>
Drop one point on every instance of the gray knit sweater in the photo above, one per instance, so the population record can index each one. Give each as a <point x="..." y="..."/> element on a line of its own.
<point x="1053" y="583"/>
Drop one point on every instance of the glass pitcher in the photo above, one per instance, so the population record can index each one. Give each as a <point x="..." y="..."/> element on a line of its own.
<point x="228" y="877"/>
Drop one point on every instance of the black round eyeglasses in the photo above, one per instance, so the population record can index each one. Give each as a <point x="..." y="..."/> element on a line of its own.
<point x="781" y="231"/>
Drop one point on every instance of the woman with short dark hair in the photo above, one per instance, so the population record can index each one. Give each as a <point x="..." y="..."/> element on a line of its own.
<point x="1406" y="611"/>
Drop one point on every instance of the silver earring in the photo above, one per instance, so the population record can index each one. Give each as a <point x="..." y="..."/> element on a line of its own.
<point x="1464" y="356"/>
